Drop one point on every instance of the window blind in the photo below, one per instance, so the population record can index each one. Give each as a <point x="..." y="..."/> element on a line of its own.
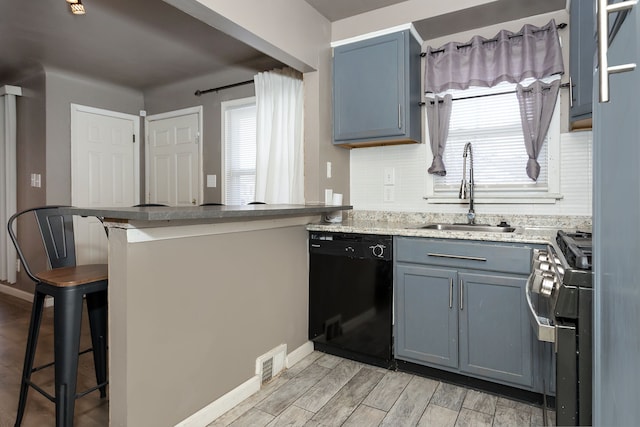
<point x="492" y="124"/>
<point x="240" y="153"/>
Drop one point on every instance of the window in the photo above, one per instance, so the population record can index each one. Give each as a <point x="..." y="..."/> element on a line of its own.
<point x="239" y="156"/>
<point x="492" y="124"/>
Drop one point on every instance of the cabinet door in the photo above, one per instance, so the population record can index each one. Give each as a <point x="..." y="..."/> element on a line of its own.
<point x="581" y="58"/>
<point x="368" y="88"/>
<point x="616" y="233"/>
<point x="495" y="334"/>
<point x="426" y="315"/>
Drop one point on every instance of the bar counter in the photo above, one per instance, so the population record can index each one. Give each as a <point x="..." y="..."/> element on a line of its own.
<point x="196" y="295"/>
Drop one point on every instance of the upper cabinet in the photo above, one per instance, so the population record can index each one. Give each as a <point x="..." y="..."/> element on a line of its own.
<point x="376" y="91"/>
<point x="581" y="62"/>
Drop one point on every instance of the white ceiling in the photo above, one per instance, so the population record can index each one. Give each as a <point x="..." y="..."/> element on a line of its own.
<point x="146" y="43"/>
<point x="334" y="10"/>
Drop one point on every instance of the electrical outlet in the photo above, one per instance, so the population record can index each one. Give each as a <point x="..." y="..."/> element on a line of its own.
<point x="211" y="181"/>
<point x="389" y="194"/>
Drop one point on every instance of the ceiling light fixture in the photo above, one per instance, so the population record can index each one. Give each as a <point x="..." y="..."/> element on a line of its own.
<point x="77" y="8"/>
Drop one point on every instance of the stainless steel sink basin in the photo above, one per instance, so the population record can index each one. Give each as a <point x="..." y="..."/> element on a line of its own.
<point x="469" y="227"/>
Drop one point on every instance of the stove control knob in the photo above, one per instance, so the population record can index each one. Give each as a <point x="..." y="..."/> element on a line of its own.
<point x="547" y="285"/>
<point x="536" y="283"/>
<point x="541" y="265"/>
<point x="541" y="256"/>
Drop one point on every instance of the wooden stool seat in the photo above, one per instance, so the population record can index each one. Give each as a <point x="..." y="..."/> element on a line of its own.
<point x="73" y="276"/>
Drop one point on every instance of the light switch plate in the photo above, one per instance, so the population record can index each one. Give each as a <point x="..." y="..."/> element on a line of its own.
<point x="211" y="181"/>
<point x="389" y="176"/>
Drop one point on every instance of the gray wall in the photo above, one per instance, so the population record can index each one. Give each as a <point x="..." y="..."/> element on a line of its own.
<point x="31" y="153"/>
<point x="63" y="89"/>
<point x="44" y="142"/>
<point x="185" y="330"/>
<point x="181" y="95"/>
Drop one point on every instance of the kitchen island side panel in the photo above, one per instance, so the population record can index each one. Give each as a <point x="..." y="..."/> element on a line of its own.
<point x="198" y="311"/>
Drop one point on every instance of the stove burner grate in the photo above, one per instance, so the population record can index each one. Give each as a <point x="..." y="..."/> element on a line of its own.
<point x="576" y="248"/>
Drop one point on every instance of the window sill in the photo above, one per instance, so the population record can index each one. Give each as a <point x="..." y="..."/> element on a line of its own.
<point x="497" y="199"/>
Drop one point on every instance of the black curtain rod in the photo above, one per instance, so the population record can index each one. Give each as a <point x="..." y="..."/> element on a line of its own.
<point x="440" y="101"/>
<point x="202" y="92"/>
<point x="559" y="26"/>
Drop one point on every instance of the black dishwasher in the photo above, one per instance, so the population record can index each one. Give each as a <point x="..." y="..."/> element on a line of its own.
<point x="350" y="296"/>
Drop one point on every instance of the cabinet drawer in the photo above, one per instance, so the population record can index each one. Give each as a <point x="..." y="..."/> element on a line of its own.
<point x="492" y="256"/>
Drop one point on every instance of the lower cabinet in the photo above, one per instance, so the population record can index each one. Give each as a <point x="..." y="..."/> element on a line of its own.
<point x="495" y="333"/>
<point x="427" y="325"/>
<point x="462" y="319"/>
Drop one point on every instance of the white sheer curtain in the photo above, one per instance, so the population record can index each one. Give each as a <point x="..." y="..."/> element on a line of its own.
<point x="279" y="137"/>
<point x="8" y="182"/>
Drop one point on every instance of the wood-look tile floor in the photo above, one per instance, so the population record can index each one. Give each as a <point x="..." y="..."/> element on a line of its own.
<point x="320" y="390"/>
<point x="325" y="390"/>
<point x="15" y="314"/>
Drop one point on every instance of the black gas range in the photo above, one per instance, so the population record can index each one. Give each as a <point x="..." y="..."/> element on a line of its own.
<point x="560" y="297"/>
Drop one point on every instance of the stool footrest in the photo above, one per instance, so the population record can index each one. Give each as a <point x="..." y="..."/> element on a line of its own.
<point x="41" y="367"/>
<point x="37" y="388"/>
<point x="92" y="389"/>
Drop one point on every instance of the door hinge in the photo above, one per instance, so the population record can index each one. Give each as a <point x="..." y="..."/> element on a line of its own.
<point x="197" y="137"/>
<point x="134" y="138"/>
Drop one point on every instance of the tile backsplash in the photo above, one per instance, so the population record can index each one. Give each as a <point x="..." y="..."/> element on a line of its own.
<point x="410" y="164"/>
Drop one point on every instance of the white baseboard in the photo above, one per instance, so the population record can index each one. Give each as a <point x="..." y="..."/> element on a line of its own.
<point x="299" y="353"/>
<point x="215" y="409"/>
<point x="23" y="295"/>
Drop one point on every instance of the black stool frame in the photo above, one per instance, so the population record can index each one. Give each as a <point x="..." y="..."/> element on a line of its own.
<point x="57" y="235"/>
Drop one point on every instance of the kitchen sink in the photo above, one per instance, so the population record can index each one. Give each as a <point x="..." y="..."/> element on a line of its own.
<point x="470" y="227"/>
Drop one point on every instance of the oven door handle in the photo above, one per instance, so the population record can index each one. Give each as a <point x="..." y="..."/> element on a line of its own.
<point x="541" y="325"/>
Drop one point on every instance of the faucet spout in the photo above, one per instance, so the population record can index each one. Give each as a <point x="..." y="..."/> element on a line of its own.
<point x="467" y="188"/>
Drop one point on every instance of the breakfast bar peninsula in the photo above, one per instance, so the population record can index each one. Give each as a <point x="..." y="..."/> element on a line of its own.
<point x="196" y="295"/>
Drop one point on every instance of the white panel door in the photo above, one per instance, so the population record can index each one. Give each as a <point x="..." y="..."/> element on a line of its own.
<point x="105" y="172"/>
<point x="173" y="158"/>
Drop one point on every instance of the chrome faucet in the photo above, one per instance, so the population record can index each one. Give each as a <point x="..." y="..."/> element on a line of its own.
<point x="466" y="188"/>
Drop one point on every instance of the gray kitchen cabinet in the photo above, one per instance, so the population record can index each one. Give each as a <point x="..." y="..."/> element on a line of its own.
<point x="376" y="91"/>
<point x="428" y="328"/>
<point x="460" y="306"/>
<point x="582" y="49"/>
<point x="495" y="334"/>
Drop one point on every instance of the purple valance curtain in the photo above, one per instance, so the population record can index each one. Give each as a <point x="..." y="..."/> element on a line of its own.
<point x="537" y="102"/>
<point x="438" y="115"/>
<point x="532" y="52"/>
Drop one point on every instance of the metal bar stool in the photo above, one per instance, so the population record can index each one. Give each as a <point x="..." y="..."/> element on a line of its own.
<point x="68" y="284"/>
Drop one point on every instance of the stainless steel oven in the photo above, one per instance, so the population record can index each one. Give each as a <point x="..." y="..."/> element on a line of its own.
<point x="560" y="299"/>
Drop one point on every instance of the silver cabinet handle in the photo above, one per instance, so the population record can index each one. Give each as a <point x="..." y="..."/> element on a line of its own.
<point x="450" y="292"/>
<point x="604" y="9"/>
<point x="399" y="116"/>
<point x="470" y="258"/>
<point x="570" y="92"/>
<point x="461" y="296"/>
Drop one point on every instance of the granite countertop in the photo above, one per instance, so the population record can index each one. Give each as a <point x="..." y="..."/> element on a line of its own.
<point x="539" y="235"/>
<point x="233" y="213"/>
<point x="528" y="228"/>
